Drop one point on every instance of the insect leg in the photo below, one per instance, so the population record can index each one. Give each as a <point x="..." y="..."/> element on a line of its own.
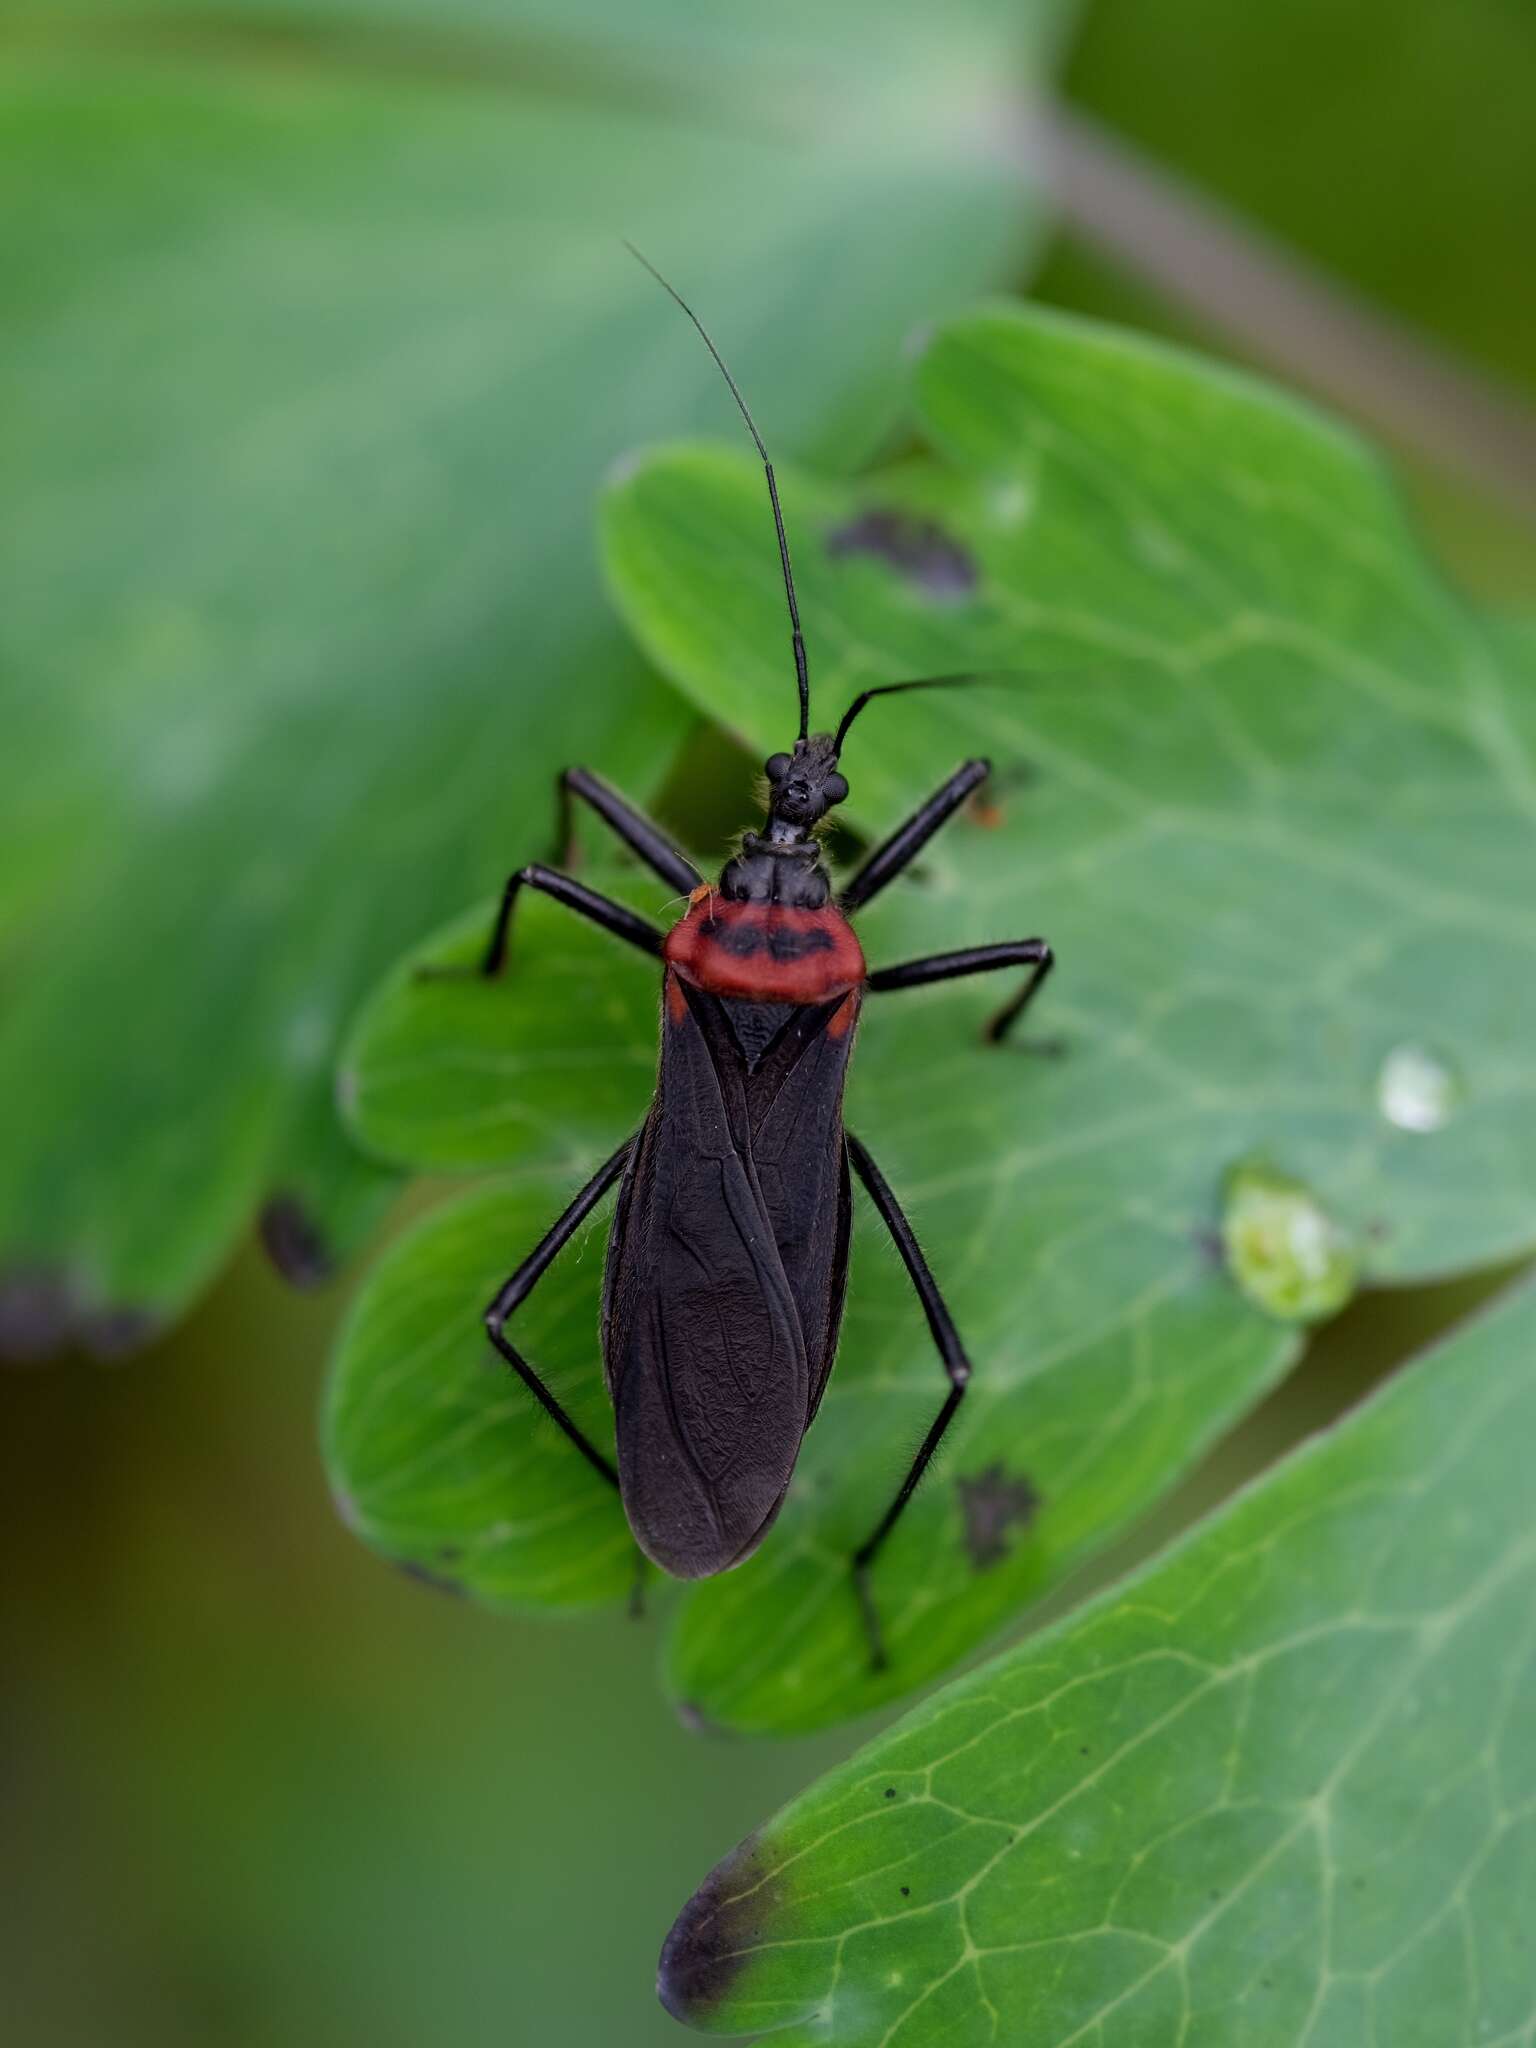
<point x="908" y="840"/>
<point x="522" y="1284"/>
<point x="602" y="910"/>
<point x="1032" y="953"/>
<point x="632" y="826"/>
<point x="952" y="1354"/>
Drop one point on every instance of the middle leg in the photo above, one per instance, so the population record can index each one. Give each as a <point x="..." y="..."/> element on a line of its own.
<point x="1032" y="953"/>
<point x="908" y="840"/>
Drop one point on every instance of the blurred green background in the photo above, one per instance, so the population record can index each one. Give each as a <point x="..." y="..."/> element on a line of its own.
<point x="258" y="1789"/>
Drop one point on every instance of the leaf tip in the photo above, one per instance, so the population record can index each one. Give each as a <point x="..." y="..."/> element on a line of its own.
<point x="693" y="1717"/>
<point x="116" y="1330"/>
<point x="621" y="469"/>
<point x="918" y="341"/>
<point x="35" y="1314"/>
<point x="425" y="1575"/>
<point x="42" y="1312"/>
<point x="713" y="1936"/>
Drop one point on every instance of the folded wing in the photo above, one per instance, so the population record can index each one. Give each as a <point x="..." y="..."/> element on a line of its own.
<point x="702" y="1340"/>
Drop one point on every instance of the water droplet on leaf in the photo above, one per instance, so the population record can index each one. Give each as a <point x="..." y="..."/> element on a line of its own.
<point x="1417" y="1090"/>
<point x="1283" y="1249"/>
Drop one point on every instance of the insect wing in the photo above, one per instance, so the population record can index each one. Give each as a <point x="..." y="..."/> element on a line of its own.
<point x="795" y="1109"/>
<point x="701" y="1336"/>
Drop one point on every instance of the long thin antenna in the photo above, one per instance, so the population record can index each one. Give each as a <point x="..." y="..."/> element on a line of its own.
<point x="918" y="683"/>
<point x="969" y="675"/>
<point x="773" y="489"/>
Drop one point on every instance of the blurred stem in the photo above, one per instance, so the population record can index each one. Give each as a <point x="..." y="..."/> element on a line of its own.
<point x="1281" y="310"/>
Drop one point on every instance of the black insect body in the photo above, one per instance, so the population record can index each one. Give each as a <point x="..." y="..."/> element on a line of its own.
<point x="723" y="1290"/>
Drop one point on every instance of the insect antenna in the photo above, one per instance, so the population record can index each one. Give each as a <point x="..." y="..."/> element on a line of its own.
<point x="918" y="683"/>
<point x="971" y="675"/>
<point x="801" y="678"/>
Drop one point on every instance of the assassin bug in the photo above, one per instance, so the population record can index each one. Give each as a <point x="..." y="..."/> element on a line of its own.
<point x="723" y="1287"/>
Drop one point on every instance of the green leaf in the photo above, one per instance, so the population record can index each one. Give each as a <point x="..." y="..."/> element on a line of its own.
<point x="550" y="1066"/>
<point x="327" y="338"/>
<point x="1279" y="1787"/>
<point x="1270" y="804"/>
<point x="449" y="1468"/>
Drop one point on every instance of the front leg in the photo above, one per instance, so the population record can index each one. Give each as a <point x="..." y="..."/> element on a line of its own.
<point x="1032" y="953"/>
<point x="909" y="839"/>
<point x="630" y="825"/>
<point x="614" y="917"/>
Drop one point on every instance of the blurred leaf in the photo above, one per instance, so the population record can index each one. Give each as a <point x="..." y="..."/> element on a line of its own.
<point x="1271" y="807"/>
<point x="1275" y="1788"/>
<point x="321" y="338"/>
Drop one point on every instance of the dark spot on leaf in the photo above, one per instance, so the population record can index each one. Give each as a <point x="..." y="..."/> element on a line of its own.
<point x="906" y="1891"/>
<point x="1053" y="1048"/>
<point x="890" y="1791"/>
<point x="42" y="1312"/>
<point x="114" y="1332"/>
<point x="449" y="1553"/>
<point x="425" y="1576"/>
<point x="293" y="1242"/>
<point x="992" y="1504"/>
<point x="36" y="1315"/>
<point x="1084" y="1750"/>
<point x="932" y="561"/>
<point x="714" y="1934"/>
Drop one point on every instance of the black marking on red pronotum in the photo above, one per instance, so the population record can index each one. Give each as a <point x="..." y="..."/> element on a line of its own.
<point x="723" y="1290"/>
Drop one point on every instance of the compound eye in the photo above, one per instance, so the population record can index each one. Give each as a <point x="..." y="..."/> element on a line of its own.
<point x="835" y="788"/>
<point x="777" y="766"/>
